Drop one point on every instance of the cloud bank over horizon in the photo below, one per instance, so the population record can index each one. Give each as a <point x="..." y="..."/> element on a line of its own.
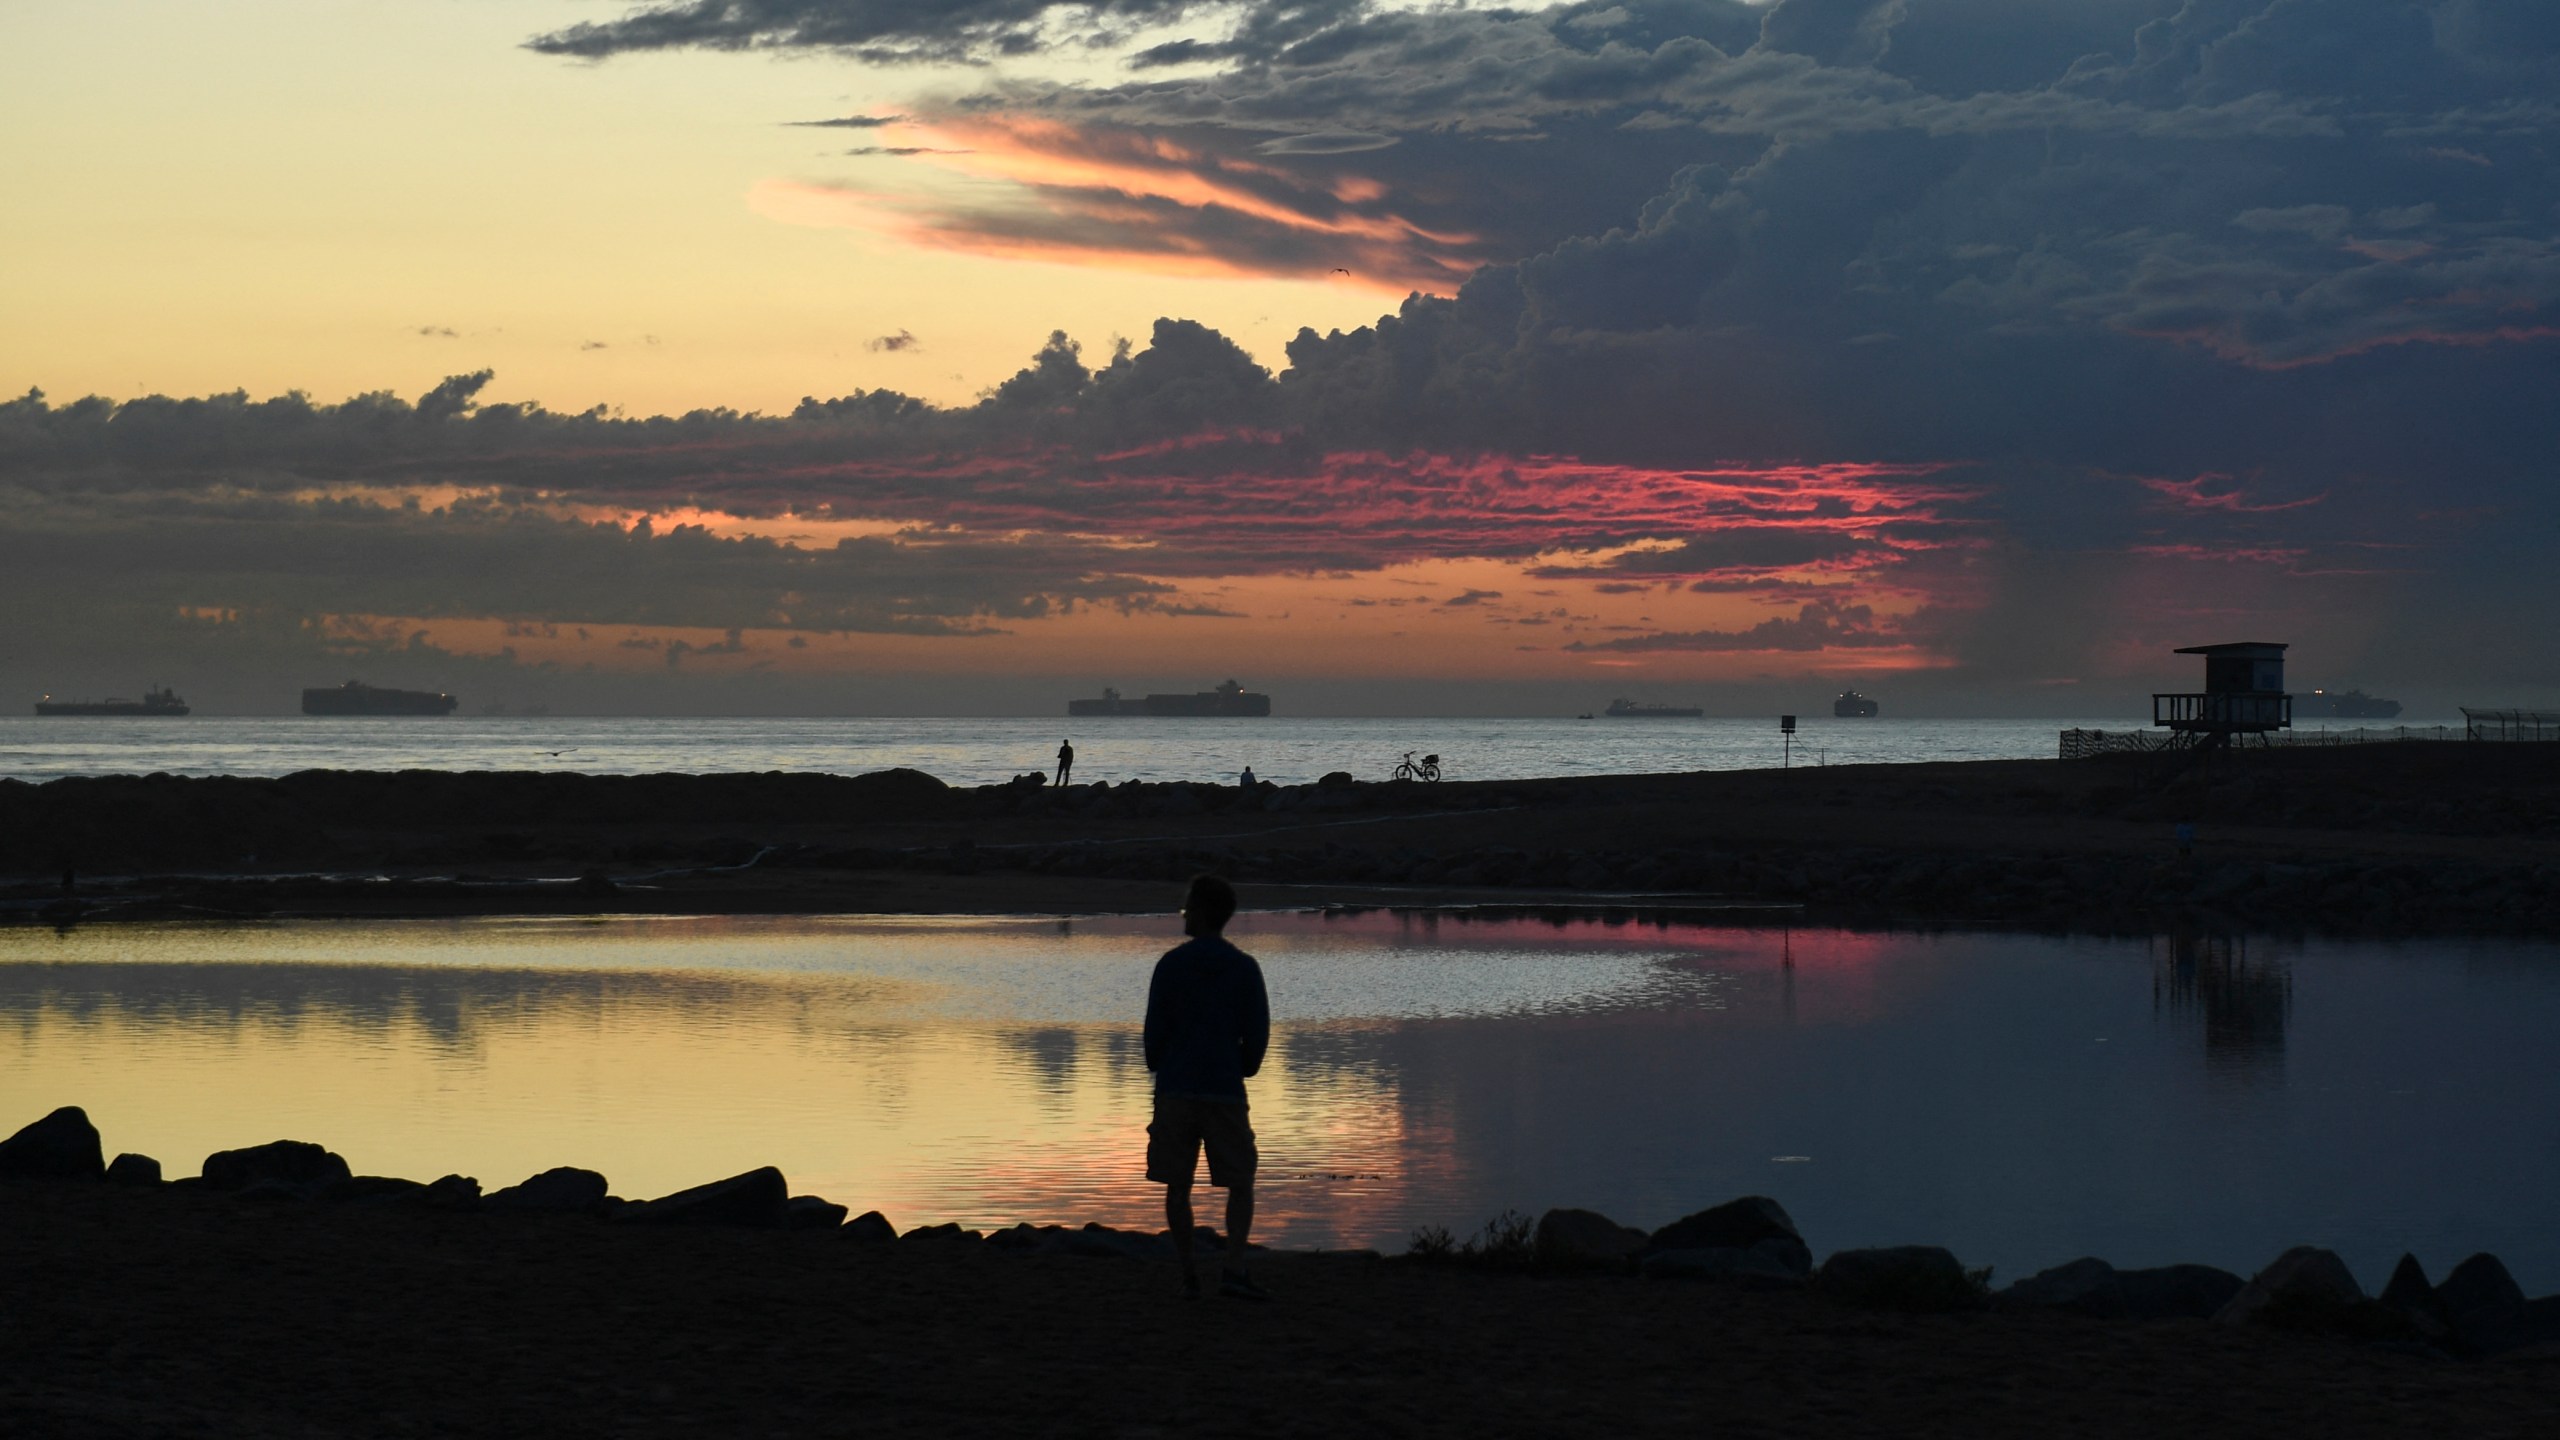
<point x="1990" y="346"/>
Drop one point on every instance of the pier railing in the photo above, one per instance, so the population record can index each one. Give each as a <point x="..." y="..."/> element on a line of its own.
<point x="2223" y="710"/>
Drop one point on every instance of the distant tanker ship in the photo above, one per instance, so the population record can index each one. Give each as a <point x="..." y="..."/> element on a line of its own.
<point x="154" y="701"/>
<point x="358" y="698"/>
<point x="1228" y="699"/>
<point x="1625" y="709"/>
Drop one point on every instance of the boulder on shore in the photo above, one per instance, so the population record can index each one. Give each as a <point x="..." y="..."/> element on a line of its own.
<point x="810" y="1212"/>
<point x="561" y="1190"/>
<point x="1752" y="1222"/>
<point x="759" y="1199"/>
<point x="2409" y="1293"/>
<point x="2310" y="1289"/>
<point x="297" y="1166"/>
<point x="870" y="1225"/>
<point x="1585" y="1237"/>
<point x="1752" y="1267"/>
<point x="2092" y="1287"/>
<point x="61" y="1146"/>
<point x="2483" y="1302"/>
<point x="1898" y="1277"/>
<point x="132" y="1169"/>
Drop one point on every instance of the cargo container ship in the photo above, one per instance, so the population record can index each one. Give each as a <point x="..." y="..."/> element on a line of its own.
<point x="1228" y="699"/>
<point x="154" y="701"/>
<point x="2352" y="705"/>
<point x="358" y="698"/>
<point x="1853" y="706"/>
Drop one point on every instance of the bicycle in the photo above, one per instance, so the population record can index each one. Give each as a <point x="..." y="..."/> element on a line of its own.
<point x="1428" y="769"/>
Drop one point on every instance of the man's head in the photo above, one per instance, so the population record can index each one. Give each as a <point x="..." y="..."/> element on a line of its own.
<point x="1209" y="906"/>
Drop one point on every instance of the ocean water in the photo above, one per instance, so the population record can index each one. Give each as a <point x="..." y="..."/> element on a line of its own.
<point x="976" y="751"/>
<point x="2021" y="1099"/>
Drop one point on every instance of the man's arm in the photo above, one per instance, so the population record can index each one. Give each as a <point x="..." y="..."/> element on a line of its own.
<point x="1255" y="1035"/>
<point x="1152" y="1037"/>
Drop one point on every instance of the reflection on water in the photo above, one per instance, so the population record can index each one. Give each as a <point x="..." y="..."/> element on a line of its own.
<point x="2242" y="1004"/>
<point x="2023" y="1099"/>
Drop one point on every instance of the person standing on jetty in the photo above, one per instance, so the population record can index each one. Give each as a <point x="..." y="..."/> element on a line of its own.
<point x="1066" y="760"/>
<point x="1208" y="1021"/>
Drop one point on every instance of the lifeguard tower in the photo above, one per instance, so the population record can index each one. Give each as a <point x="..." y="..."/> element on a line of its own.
<point x="2243" y="695"/>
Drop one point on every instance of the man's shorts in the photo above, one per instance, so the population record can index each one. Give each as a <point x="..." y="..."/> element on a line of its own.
<point x="1184" y="1126"/>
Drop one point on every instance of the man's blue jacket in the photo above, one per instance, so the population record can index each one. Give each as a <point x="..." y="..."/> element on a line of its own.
<point x="1208" y="1020"/>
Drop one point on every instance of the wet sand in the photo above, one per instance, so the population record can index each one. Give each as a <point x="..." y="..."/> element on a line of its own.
<point x="158" y="1313"/>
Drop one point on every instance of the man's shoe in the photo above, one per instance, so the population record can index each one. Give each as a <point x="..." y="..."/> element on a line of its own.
<point x="1236" y="1285"/>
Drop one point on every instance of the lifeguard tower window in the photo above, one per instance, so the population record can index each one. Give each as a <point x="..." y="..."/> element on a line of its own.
<point x="2243" y="694"/>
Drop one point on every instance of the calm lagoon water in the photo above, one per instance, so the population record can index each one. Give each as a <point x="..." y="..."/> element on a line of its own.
<point x="2021" y="1099"/>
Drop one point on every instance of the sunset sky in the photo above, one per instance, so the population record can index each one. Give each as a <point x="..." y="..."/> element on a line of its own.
<point x="881" y="356"/>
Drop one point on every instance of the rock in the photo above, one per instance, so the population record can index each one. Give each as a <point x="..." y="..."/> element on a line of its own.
<point x="2086" y="1286"/>
<point x="296" y="1165"/>
<point x="946" y="1232"/>
<point x="562" y="1190"/>
<point x="1752" y="1268"/>
<point x="1336" y="780"/>
<point x="595" y="885"/>
<point x="1752" y="1221"/>
<point x="808" y="1212"/>
<point x="1898" y="1277"/>
<point x="368" y="1189"/>
<point x="870" y="1225"/>
<point x="2483" y="1302"/>
<point x="2093" y="1287"/>
<point x="2409" y="1293"/>
<point x="2304" y="1278"/>
<point x="61" y="1146"/>
<point x="1102" y="1240"/>
<point x="132" y="1169"/>
<point x="2535" y="1330"/>
<point x="450" y="1192"/>
<point x="1585" y="1237"/>
<point x="2177" y="1292"/>
<point x="758" y="1198"/>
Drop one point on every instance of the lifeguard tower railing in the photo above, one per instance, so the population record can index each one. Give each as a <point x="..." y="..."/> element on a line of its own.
<point x="2225" y="712"/>
<point x="2542" y="725"/>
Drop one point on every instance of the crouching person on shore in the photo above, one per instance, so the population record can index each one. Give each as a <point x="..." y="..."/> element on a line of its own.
<point x="1208" y="1021"/>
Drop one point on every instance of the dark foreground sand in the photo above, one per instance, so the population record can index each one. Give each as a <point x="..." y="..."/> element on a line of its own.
<point x="134" y="1313"/>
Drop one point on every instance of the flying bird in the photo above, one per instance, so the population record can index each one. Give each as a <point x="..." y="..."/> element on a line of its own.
<point x="1338" y="270"/>
<point x="556" y="754"/>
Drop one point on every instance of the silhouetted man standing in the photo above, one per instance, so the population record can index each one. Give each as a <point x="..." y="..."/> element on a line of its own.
<point x="1208" y="1020"/>
<point x="1066" y="760"/>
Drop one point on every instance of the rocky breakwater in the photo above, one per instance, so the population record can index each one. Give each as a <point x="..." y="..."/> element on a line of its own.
<point x="2476" y="1312"/>
<point x="2409" y="839"/>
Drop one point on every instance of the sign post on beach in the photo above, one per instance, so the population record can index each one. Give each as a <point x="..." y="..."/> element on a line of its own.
<point x="1787" y="742"/>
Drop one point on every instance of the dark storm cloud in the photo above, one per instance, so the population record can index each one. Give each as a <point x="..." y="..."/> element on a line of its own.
<point x="1819" y="626"/>
<point x="871" y="29"/>
<point x="2144" y="318"/>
